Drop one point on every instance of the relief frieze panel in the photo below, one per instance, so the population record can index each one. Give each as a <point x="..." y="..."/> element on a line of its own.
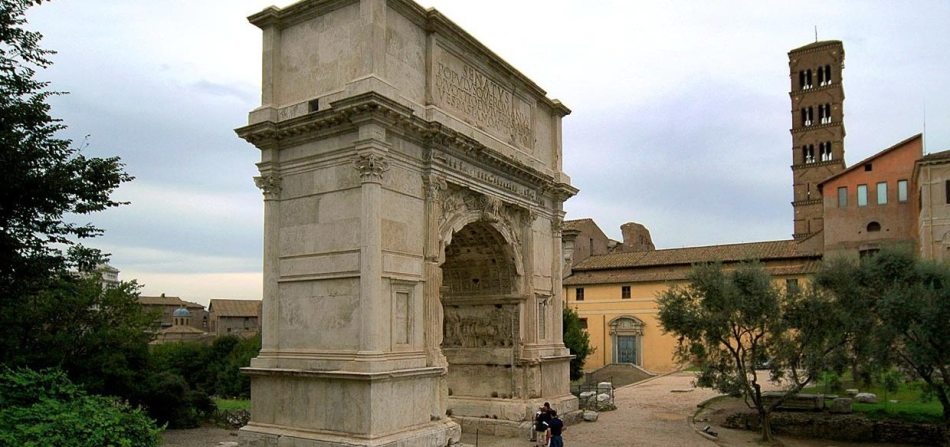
<point x="480" y="326"/>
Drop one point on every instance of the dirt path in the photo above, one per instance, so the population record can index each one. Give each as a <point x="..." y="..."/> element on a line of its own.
<point x="655" y="413"/>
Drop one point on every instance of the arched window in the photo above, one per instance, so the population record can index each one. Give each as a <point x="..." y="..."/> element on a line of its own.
<point x="801" y="80"/>
<point x="808" y="79"/>
<point x="825" y="151"/>
<point x="821" y="76"/>
<point x="808" y="114"/>
<point x="827" y="74"/>
<point x="874" y="227"/>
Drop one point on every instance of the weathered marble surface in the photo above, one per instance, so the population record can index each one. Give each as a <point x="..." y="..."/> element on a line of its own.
<point x="413" y="201"/>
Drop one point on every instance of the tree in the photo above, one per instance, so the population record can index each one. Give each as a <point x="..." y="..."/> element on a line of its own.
<point x="904" y="306"/>
<point x="97" y="336"/>
<point x="577" y="340"/>
<point x="730" y="322"/>
<point x="47" y="178"/>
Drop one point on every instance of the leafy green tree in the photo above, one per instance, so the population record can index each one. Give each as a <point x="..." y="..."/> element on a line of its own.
<point x="45" y="408"/>
<point x="98" y="336"/>
<point x="226" y="371"/>
<point x="729" y="322"/>
<point x="577" y="340"/>
<point x="904" y="308"/>
<point x="47" y="177"/>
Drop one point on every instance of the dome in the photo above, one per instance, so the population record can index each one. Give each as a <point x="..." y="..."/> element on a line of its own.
<point x="181" y="312"/>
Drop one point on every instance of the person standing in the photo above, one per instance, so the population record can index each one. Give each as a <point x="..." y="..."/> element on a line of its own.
<point x="555" y="427"/>
<point x="541" y="419"/>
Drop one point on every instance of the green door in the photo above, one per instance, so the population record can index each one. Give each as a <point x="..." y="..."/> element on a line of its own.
<point x="627" y="349"/>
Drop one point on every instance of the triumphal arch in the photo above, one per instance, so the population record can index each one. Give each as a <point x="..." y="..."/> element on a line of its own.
<point x="413" y="197"/>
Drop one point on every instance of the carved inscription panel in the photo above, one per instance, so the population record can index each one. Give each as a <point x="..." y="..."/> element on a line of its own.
<point x="477" y="98"/>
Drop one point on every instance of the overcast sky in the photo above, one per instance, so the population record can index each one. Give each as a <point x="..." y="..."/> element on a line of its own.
<point x="680" y="113"/>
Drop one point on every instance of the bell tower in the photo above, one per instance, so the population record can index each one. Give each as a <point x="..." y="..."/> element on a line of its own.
<point x="817" y="98"/>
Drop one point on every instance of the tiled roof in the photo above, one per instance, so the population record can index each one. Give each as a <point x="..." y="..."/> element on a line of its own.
<point x="691" y="255"/>
<point x="235" y="308"/>
<point x="167" y="301"/>
<point x="181" y="329"/>
<point x="942" y="155"/>
<point x="673" y="273"/>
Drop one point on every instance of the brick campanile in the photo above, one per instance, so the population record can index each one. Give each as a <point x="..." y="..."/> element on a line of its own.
<point x="817" y="97"/>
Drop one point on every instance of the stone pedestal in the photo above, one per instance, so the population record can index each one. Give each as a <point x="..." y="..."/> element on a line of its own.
<point x="413" y="201"/>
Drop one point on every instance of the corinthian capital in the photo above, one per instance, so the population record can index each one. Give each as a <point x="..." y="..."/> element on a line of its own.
<point x="269" y="185"/>
<point x="371" y="167"/>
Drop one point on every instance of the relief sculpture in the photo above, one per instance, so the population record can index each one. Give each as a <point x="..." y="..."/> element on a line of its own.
<point x="480" y="326"/>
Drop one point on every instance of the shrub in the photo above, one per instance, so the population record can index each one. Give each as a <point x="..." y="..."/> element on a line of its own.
<point x="45" y="409"/>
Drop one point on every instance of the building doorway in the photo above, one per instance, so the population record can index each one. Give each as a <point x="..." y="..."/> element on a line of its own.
<point x="626" y="333"/>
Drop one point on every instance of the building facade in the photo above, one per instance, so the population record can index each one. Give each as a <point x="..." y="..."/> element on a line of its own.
<point x="872" y="204"/>
<point x="931" y="180"/>
<point x="615" y="294"/>
<point x="166" y="306"/>
<point x="235" y="317"/>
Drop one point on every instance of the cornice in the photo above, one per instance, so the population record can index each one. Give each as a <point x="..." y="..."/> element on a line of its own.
<point x="817" y="164"/>
<point x="819" y="89"/>
<point x="803" y="129"/>
<point x="373" y="106"/>
<point x="807" y="202"/>
<point x="295" y="13"/>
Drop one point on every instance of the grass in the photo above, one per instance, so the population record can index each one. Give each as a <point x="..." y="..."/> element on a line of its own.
<point x="910" y="405"/>
<point x="232" y="404"/>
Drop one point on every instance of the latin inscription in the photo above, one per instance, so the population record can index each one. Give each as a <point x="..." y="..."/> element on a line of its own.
<point x="487" y="177"/>
<point x="490" y="104"/>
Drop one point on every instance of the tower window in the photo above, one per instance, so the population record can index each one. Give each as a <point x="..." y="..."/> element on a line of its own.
<point x="874" y="227"/>
<point x="808" y="83"/>
<point x="902" y="190"/>
<point x="579" y="294"/>
<point x="808" y="153"/>
<point x="824" y="75"/>
<point x="808" y="115"/>
<point x="862" y="195"/>
<point x="824" y="150"/>
<point x="843" y="197"/>
<point x="801" y="79"/>
<point x="824" y="113"/>
<point x="882" y="193"/>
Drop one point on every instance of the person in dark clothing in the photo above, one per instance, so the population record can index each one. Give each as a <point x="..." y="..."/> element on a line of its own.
<point x="555" y="427"/>
<point x="541" y="419"/>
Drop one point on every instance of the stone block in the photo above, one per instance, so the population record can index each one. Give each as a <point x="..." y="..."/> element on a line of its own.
<point x="841" y="405"/>
<point x="866" y="398"/>
<point x="590" y="416"/>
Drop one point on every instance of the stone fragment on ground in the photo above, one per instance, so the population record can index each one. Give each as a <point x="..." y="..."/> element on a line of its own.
<point x="841" y="405"/>
<point x="590" y="416"/>
<point x="866" y="398"/>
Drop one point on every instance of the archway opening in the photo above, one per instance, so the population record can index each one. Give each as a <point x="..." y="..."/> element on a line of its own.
<point x="481" y="315"/>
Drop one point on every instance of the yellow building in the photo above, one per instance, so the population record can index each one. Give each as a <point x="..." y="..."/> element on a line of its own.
<point x="615" y="293"/>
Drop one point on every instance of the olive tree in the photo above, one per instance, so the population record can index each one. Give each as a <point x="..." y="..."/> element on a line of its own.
<point x="729" y="322"/>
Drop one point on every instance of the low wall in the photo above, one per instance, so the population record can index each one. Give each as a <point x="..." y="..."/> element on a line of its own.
<point x="844" y="427"/>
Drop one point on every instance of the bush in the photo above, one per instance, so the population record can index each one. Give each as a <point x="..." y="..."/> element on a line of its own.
<point x="46" y="409"/>
<point x="170" y="400"/>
